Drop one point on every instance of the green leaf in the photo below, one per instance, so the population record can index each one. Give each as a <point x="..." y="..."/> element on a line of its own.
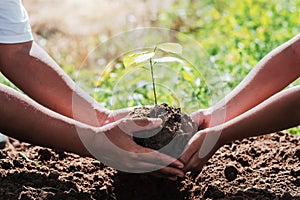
<point x="170" y="47"/>
<point x="143" y="57"/>
<point x="128" y="60"/>
<point x="167" y="59"/>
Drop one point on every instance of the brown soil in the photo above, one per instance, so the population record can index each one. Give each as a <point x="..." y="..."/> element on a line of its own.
<point x="171" y="138"/>
<point x="265" y="167"/>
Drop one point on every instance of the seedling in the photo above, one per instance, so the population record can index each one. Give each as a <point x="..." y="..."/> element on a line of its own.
<point x="177" y="127"/>
<point x="148" y="56"/>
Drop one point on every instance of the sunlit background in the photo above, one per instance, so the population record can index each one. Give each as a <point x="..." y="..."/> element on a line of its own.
<point x="70" y="29"/>
<point x="234" y="34"/>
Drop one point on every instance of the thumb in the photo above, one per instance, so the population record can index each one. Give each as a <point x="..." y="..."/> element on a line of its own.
<point x="201" y="118"/>
<point x="139" y="124"/>
<point x="192" y="146"/>
<point x="115" y="115"/>
<point x="197" y="117"/>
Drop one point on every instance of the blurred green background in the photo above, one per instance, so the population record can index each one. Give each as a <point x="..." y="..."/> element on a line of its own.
<point x="234" y="36"/>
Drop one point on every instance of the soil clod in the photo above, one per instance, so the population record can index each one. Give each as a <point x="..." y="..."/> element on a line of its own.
<point x="231" y="172"/>
<point x="172" y="136"/>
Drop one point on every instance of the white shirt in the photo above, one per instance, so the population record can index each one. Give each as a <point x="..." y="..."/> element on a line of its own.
<point x="14" y="22"/>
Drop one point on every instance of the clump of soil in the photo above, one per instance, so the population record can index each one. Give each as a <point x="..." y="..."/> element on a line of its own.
<point x="230" y="172"/>
<point x="174" y="133"/>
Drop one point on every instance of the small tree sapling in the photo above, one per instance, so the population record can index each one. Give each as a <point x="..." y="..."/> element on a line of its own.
<point x="177" y="126"/>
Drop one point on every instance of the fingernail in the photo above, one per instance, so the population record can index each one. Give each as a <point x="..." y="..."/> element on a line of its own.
<point x="180" y="166"/>
<point x="173" y="178"/>
<point x="180" y="175"/>
<point x="156" y="120"/>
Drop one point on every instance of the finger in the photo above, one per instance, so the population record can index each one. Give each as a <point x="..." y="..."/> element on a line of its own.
<point x="185" y="158"/>
<point x="162" y="159"/>
<point x="195" y="164"/>
<point x="119" y="114"/>
<point x="149" y="106"/>
<point x="178" y="164"/>
<point x="147" y="122"/>
<point x="160" y="175"/>
<point x="171" y="172"/>
<point x="191" y="148"/>
<point x="138" y="124"/>
<point x="201" y="118"/>
<point x="189" y="165"/>
<point x="197" y="118"/>
<point x="146" y="167"/>
<point x="123" y="112"/>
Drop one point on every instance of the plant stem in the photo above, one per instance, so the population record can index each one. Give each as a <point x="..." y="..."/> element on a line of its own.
<point x="153" y="81"/>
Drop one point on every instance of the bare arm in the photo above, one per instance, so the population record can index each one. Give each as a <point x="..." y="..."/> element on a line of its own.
<point x="33" y="71"/>
<point x="26" y="120"/>
<point x="279" y="112"/>
<point x="273" y="73"/>
<point x="255" y="107"/>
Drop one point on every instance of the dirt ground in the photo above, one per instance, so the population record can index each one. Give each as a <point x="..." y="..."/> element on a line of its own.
<point x="266" y="167"/>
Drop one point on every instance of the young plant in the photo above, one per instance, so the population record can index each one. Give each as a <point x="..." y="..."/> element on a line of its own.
<point x="148" y="56"/>
<point x="177" y="126"/>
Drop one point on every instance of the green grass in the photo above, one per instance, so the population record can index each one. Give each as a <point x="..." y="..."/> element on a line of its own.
<point x="233" y="35"/>
<point x="236" y="34"/>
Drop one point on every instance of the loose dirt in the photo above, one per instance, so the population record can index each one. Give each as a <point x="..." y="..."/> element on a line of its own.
<point x="171" y="138"/>
<point x="266" y="167"/>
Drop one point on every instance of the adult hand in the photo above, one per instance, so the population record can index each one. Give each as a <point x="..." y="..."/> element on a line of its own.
<point x="113" y="144"/>
<point x="200" y="148"/>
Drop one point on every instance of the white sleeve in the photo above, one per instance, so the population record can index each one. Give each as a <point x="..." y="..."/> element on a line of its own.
<point x="14" y="22"/>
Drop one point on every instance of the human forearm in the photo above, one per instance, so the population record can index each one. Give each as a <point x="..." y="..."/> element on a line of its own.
<point x="34" y="72"/>
<point x="273" y="73"/>
<point x="253" y="108"/>
<point x="26" y="120"/>
<point x="277" y="113"/>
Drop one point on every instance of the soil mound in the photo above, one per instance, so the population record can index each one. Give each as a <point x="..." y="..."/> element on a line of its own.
<point x="171" y="138"/>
